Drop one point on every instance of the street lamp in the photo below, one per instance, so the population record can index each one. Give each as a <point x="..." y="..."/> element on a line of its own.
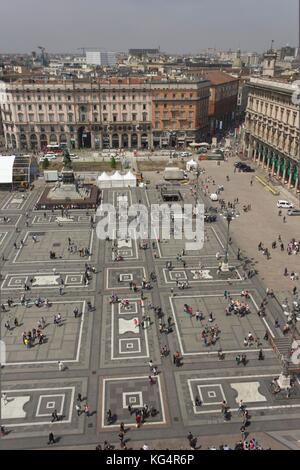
<point x="229" y="215"/>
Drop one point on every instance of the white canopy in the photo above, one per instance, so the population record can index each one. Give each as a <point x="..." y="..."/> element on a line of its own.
<point x="104" y="181"/>
<point x="117" y="180"/>
<point x="6" y="168"/>
<point x="130" y="179"/>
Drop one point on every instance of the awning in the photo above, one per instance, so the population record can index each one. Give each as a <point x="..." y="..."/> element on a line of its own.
<point x="6" y="168"/>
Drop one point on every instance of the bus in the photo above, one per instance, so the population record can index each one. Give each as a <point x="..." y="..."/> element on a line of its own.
<point x="53" y="148"/>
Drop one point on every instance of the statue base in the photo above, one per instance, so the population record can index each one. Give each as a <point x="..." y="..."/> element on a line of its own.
<point x="68" y="176"/>
<point x="225" y="267"/>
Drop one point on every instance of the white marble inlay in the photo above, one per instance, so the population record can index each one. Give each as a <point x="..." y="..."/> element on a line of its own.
<point x="14" y="407"/>
<point x="248" y="392"/>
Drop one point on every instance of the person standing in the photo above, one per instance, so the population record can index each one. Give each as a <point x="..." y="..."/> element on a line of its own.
<point x="4" y="398"/>
<point x="78" y="409"/>
<point x="61" y="366"/>
<point x="87" y="410"/>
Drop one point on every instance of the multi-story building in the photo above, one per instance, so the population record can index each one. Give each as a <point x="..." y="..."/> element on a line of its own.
<point x="179" y="112"/>
<point x="101" y="58"/>
<point x="102" y="113"/>
<point x="223" y="98"/>
<point x="272" y="129"/>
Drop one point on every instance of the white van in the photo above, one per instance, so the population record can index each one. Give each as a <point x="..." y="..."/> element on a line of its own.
<point x="284" y="204"/>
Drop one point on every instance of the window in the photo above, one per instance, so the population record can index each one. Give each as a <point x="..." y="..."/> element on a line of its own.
<point x="134" y="117"/>
<point x="133" y="97"/>
<point x="41" y="118"/>
<point x="69" y="108"/>
<point x="60" y="107"/>
<point x="51" y="117"/>
<point x="124" y="106"/>
<point x="144" y="117"/>
<point x="95" y="107"/>
<point x="174" y="95"/>
<point x="40" y="107"/>
<point x="114" y="117"/>
<point x="104" y="107"/>
<point x="29" y="107"/>
<point x="19" y="107"/>
<point x="20" y="117"/>
<point x="156" y="125"/>
<point x="133" y="107"/>
<point x="114" y="97"/>
<point x="31" y="117"/>
<point x="70" y="117"/>
<point x="50" y="107"/>
<point x="114" y="107"/>
<point x="69" y="98"/>
<point x="49" y="98"/>
<point x="61" y="117"/>
<point x="95" y="117"/>
<point x="124" y="117"/>
<point x="105" y="117"/>
<point x="124" y="97"/>
<point x="144" y="106"/>
<point x="39" y="98"/>
<point x="28" y="98"/>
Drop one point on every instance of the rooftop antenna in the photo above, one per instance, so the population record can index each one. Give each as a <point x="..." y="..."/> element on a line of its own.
<point x="272" y="43"/>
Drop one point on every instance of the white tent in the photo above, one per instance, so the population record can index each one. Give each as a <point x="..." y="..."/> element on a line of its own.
<point x="6" y="168"/>
<point x="130" y="180"/>
<point x="191" y="165"/>
<point x="117" y="180"/>
<point x="104" y="181"/>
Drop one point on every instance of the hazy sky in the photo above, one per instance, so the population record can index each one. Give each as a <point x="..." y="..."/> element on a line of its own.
<point x="174" y="25"/>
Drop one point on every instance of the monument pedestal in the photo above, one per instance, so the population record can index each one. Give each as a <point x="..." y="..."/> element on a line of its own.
<point x="284" y="381"/>
<point x="68" y="176"/>
<point x="224" y="267"/>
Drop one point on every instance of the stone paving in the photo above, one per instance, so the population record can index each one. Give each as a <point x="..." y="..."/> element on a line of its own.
<point x="106" y="350"/>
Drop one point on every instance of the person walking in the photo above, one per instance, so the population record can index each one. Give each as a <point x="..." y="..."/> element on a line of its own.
<point x="4" y="398"/>
<point x="79" y="397"/>
<point x="61" y="366"/>
<point x="54" y="416"/>
<point x="87" y="410"/>
<point x="78" y="409"/>
<point x="51" y="439"/>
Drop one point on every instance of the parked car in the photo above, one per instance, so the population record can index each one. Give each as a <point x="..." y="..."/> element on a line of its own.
<point x="244" y="167"/>
<point x="284" y="204"/>
<point x="293" y="212"/>
<point x="213" y="197"/>
<point x="210" y="218"/>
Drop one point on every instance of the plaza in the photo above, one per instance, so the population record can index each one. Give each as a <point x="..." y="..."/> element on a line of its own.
<point x="108" y="348"/>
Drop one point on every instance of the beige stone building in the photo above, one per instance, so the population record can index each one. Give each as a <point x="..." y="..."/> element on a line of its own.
<point x="97" y="113"/>
<point x="272" y="129"/>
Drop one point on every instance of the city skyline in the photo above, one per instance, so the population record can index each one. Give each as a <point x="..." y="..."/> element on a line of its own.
<point x="176" y="27"/>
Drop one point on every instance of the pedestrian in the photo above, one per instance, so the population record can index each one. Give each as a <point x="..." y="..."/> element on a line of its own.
<point x="7" y="325"/>
<point x="16" y="322"/>
<point x="121" y="436"/>
<point x="190" y="437"/>
<point x="87" y="410"/>
<point x="130" y="410"/>
<point x="138" y="420"/>
<point x="55" y="416"/>
<point x="244" y="359"/>
<point x="122" y="427"/>
<point x="61" y="366"/>
<point x="4" y="398"/>
<point x="79" y="397"/>
<point x="51" y="439"/>
<point x="78" y="409"/>
<point x="151" y="380"/>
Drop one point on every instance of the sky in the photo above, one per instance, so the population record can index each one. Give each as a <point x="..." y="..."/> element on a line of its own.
<point x="177" y="26"/>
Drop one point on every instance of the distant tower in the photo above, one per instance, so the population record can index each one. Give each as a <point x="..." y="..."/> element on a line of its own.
<point x="269" y="62"/>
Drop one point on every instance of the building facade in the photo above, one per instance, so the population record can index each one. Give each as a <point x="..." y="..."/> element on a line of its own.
<point x="101" y="113"/>
<point x="101" y="58"/>
<point x="223" y="98"/>
<point x="271" y="135"/>
<point x="179" y="112"/>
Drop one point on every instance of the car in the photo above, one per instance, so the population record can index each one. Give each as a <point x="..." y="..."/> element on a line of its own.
<point x="285" y="204"/>
<point x="293" y="212"/>
<point x="247" y="169"/>
<point x="210" y="218"/>
<point x="213" y="197"/>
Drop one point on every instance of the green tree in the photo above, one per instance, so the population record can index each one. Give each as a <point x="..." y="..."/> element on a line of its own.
<point x="113" y="162"/>
<point x="45" y="163"/>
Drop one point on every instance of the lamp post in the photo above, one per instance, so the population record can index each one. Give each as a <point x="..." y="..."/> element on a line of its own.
<point x="228" y="215"/>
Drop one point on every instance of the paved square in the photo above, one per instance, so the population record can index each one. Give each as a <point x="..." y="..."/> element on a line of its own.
<point x="233" y="328"/>
<point x="62" y="342"/>
<point x="57" y="242"/>
<point x="119" y="392"/>
<point x="119" y="278"/>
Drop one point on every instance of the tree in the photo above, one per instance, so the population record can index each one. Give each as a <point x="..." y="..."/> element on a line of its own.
<point x="45" y="163"/>
<point x="113" y="162"/>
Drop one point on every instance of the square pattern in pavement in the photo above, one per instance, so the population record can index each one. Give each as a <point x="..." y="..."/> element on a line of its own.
<point x="56" y="241"/>
<point x="119" y="392"/>
<point x="62" y="342"/>
<point x="233" y="328"/>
